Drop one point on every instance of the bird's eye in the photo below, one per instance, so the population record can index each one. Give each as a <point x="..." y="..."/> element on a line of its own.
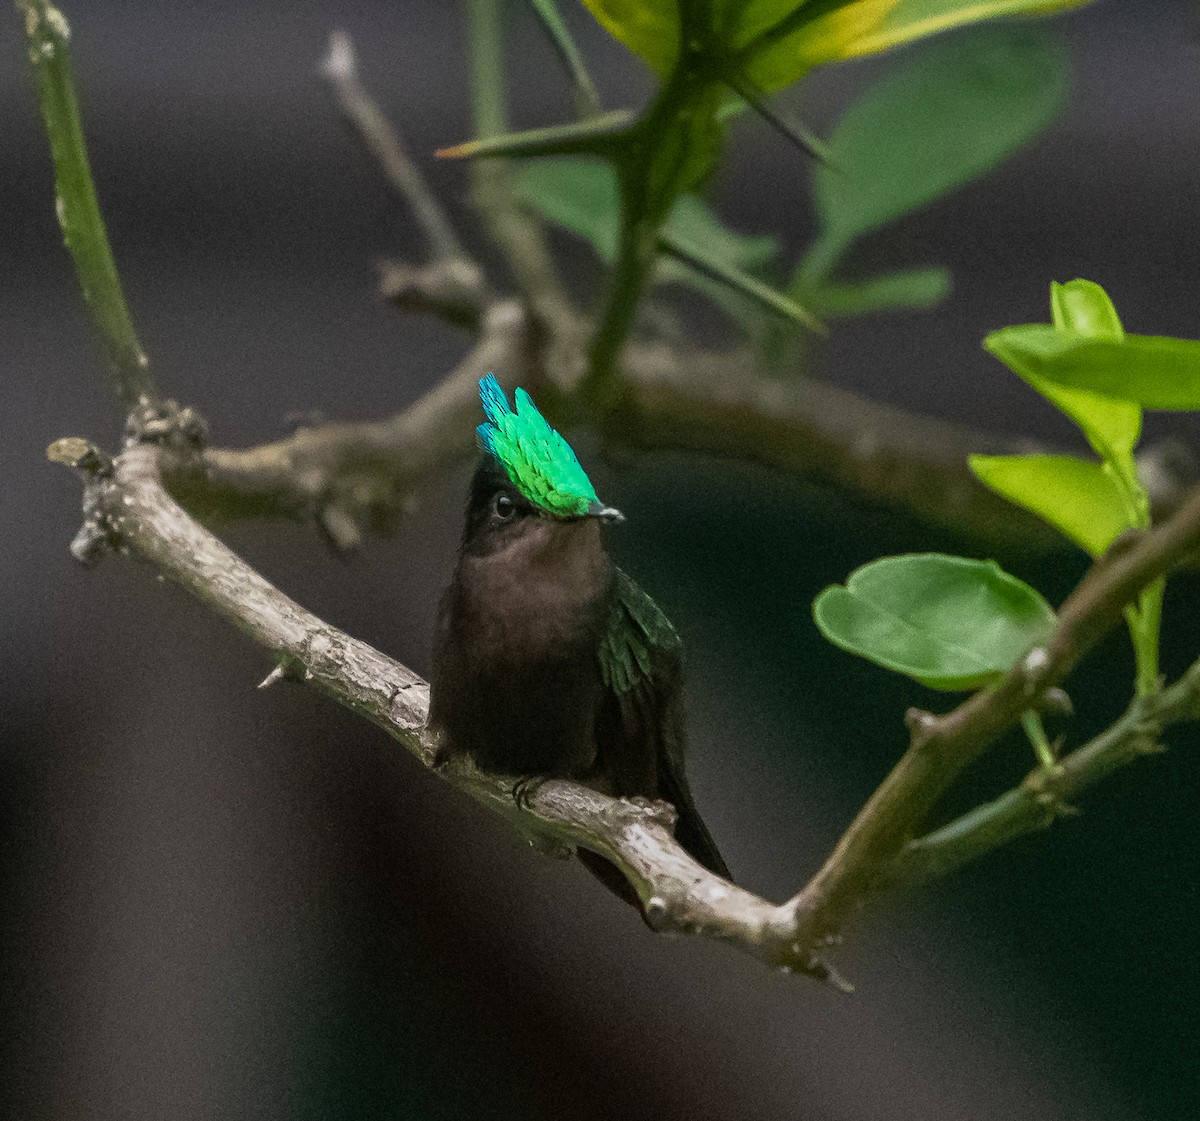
<point x="505" y="507"/>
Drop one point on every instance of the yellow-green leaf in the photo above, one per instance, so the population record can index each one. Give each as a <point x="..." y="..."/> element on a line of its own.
<point x="1080" y="499"/>
<point x="649" y="28"/>
<point x="822" y="38"/>
<point x="1112" y="427"/>
<point x="1084" y="307"/>
<point x="865" y="27"/>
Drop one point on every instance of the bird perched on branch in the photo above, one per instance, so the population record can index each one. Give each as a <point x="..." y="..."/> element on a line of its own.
<point x="548" y="660"/>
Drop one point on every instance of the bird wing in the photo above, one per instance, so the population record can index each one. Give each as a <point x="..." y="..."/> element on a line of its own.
<point x="641" y="738"/>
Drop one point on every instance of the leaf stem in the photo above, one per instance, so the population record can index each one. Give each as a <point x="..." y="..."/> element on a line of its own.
<point x="48" y="39"/>
<point x="1031" y="721"/>
<point x="382" y="140"/>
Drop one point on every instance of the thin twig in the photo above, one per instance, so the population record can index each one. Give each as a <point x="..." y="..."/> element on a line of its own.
<point x="587" y="101"/>
<point x="380" y="137"/>
<point x="941" y="747"/>
<point x="48" y="39"/>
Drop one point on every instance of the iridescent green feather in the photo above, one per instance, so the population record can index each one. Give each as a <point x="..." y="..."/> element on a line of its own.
<point x="538" y="461"/>
<point x="636" y="633"/>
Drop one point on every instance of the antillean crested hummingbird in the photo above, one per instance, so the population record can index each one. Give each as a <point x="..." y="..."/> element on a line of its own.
<point x="548" y="660"/>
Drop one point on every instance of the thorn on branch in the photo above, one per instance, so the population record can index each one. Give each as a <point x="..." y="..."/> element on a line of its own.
<point x="1034" y="668"/>
<point x="276" y="675"/>
<point x="1055" y="700"/>
<point x="821" y="970"/>
<point x="90" y="543"/>
<point x="657" y="914"/>
<point x="296" y="419"/>
<point x="918" y="720"/>
<point x="340" y="529"/>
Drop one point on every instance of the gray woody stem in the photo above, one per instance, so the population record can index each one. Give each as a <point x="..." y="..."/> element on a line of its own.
<point x="378" y="135"/>
<point x="696" y="401"/>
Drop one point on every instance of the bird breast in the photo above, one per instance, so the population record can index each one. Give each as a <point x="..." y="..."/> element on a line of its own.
<point x="542" y="596"/>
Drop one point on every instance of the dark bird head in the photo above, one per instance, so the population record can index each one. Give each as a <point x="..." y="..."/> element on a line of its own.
<point x="530" y="493"/>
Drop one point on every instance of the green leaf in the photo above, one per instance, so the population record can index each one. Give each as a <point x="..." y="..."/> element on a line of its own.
<point x="578" y="195"/>
<point x="582" y="197"/>
<point x="943" y="117"/>
<point x="817" y="32"/>
<point x="692" y="221"/>
<point x="1083" y="306"/>
<point x="1080" y="499"/>
<point x="909" y="288"/>
<point x="1112" y="427"/>
<point x="1153" y="372"/>
<point x="649" y="28"/>
<point x="949" y="622"/>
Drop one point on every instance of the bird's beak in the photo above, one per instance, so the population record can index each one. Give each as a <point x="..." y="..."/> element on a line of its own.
<point x="606" y="513"/>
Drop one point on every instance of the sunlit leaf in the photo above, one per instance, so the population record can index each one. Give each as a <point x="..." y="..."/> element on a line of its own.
<point x="1080" y="499"/>
<point x="821" y="32"/>
<point x="1153" y="372"/>
<point x="747" y="19"/>
<point x="948" y="622"/>
<point x="1112" y="427"/>
<point x="649" y="28"/>
<point x="946" y="115"/>
<point x="1084" y="307"/>
<point x="828" y="32"/>
<point x="915" y="19"/>
<point x="907" y="289"/>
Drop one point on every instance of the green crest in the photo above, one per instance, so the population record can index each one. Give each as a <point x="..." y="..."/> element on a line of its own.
<point x="538" y="461"/>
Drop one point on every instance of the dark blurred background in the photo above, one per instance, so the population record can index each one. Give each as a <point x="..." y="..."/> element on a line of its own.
<point x="218" y="902"/>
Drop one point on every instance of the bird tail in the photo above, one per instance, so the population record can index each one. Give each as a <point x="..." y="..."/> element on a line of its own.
<point x="690" y="830"/>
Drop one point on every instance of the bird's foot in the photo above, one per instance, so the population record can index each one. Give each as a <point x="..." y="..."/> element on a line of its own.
<point x="525" y="788"/>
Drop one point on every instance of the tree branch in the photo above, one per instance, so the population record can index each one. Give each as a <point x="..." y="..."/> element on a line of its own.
<point x="126" y="504"/>
<point x="1045" y="794"/>
<point x="378" y="135"/>
<point x="345" y="474"/>
<point x="941" y="747"/>
<point x="710" y="402"/>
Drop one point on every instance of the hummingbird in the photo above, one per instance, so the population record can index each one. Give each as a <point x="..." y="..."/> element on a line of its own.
<point x="548" y="660"/>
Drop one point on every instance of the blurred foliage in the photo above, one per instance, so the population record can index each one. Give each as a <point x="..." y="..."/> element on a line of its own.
<point x="947" y="113"/>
